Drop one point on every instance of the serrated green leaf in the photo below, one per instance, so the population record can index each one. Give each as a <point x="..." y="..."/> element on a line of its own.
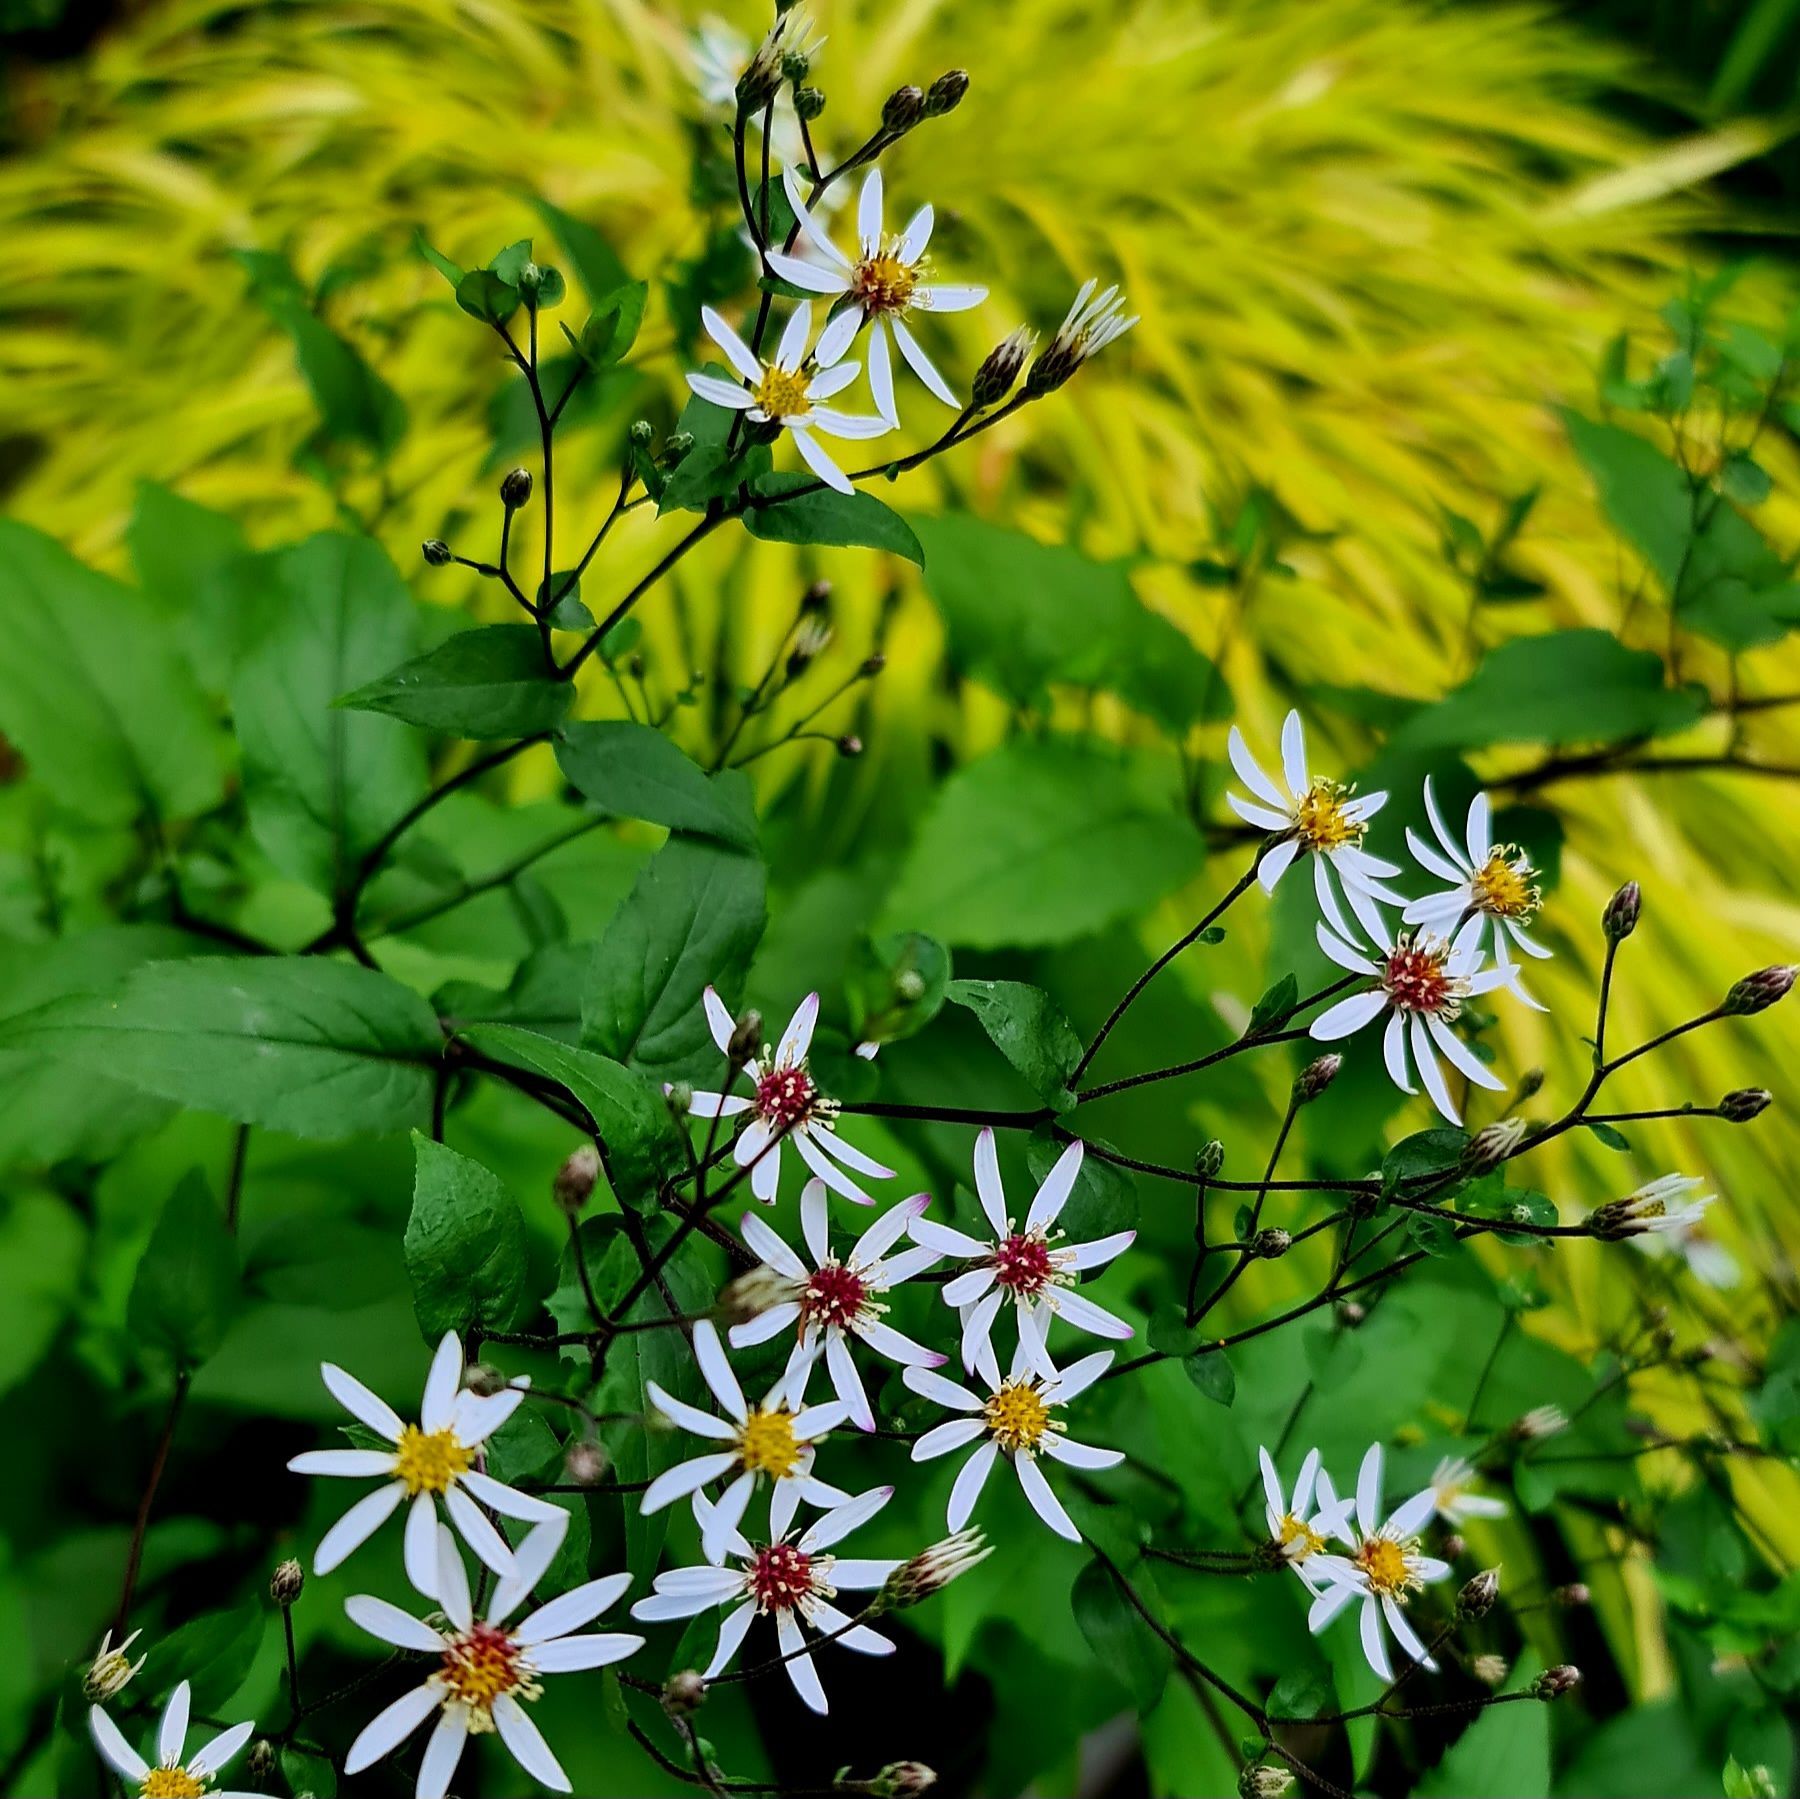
<point x="464" y="1243"/>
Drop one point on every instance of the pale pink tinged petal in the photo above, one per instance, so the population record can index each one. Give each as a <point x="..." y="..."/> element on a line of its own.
<point x="977" y="1324"/>
<point x="1079" y="1376"/>
<point x="765" y="1175"/>
<point x="846" y="1635"/>
<point x="1304" y="1482"/>
<point x="1080" y="1455"/>
<point x="820" y="463"/>
<point x="887" y="1230"/>
<point x="942" y="1438"/>
<point x="790" y="353"/>
<point x="1265" y="818"/>
<point x="847" y="1383"/>
<point x="390" y="1727"/>
<point x="763" y="1326"/>
<point x="1373" y="1642"/>
<point x="718" y="1020"/>
<point x="948" y="297"/>
<point x="716" y="1370"/>
<point x="1100" y="1251"/>
<point x="220" y="1750"/>
<point x="509" y="1502"/>
<point x="1249" y="771"/>
<point x="1081" y="1312"/>
<point x="477" y="1531"/>
<point x="661" y="1607"/>
<point x="833" y="380"/>
<point x="943" y="1392"/>
<point x="731" y="1638"/>
<point x="1043" y="1501"/>
<point x="841" y="1520"/>
<point x="363" y="1464"/>
<point x="808" y="275"/>
<point x="451" y="1580"/>
<point x="818" y="1492"/>
<point x="897" y="1347"/>
<point x="861" y="1576"/>
<point x="881" y="372"/>
<point x="690" y="1418"/>
<point x="717" y="1105"/>
<point x="827" y="1170"/>
<point x="967" y="1288"/>
<point x="853" y="427"/>
<point x="1368" y="1492"/>
<point x="839" y="333"/>
<point x="1462" y="1057"/>
<point x="1276" y="860"/>
<point x="766" y="1244"/>
<point x="1329" y="1603"/>
<point x="796" y="1040"/>
<point x="725" y="1517"/>
<point x="684" y="1478"/>
<point x="810" y="227"/>
<point x="987" y="1181"/>
<point x="922" y="365"/>
<point x="572" y="1655"/>
<point x="571" y="1610"/>
<point x="1410" y="1518"/>
<point x="868" y="212"/>
<point x="1271" y="1482"/>
<point x="360" y="1403"/>
<point x="737" y="352"/>
<point x="392" y="1625"/>
<point x="1481" y="836"/>
<point x="800" y="1670"/>
<point x="1347" y="1017"/>
<point x="356" y="1526"/>
<point x="1059" y="1183"/>
<point x="945" y="1241"/>
<point x="849" y="1154"/>
<point x="895" y="1271"/>
<point x="970" y="1479"/>
<point x="172" y="1727"/>
<point x="442" y="1383"/>
<point x="1393" y="1050"/>
<point x="916" y="236"/>
<point x="1293" y="755"/>
<point x="118" y="1754"/>
<point x="1429" y="860"/>
<point x="1430" y="1074"/>
<point x="721" y="393"/>
<point x="752" y="1140"/>
<point x="1452" y="849"/>
<point x="531" y="1560"/>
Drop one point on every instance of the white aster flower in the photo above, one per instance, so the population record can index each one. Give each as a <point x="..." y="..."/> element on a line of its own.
<point x="794" y="1582"/>
<point x="1304" y="1520"/>
<point x="1028" y="1265"/>
<point x="485" y="1667"/>
<point x="1450" y="1495"/>
<point x="1013" y="1420"/>
<point x="784" y="393"/>
<point x="774" y="1439"/>
<point x="1383" y="1569"/>
<point x="1093" y="321"/>
<point x="1491" y="885"/>
<point x="886" y="280"/>
<point x="1661" y="1225"/>
<point x="786" y="1104"/>
<point x="836" y="1301"/>
<point x="436" y="1461"/>
<point x="112" y="1670"/>
<point x="1421" y="983"/>
<point x="1318" y="816"/>
<point x="173" y="1775"/>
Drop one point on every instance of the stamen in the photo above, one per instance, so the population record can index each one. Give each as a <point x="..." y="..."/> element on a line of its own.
<point x="1417" y="977"/>
<point x="1018" y="1417"/>
<point x="780" y="1577"/>
<point x="171" y="1783"/>
<point x="781" y="393"/>
<point x="767" y="1444"/>
<point x="1383" y="1562"/>
<point x="1023" y="1264"/>
<point x="883" y="282"/>
<point x="480" y="1665"/>
<point x="785" y="1097"/>
<point x="1506" y="884"/>
<point x="834" y="1296"/>
<point x="428" y="1461"/>
<point x="1319" y="819"/>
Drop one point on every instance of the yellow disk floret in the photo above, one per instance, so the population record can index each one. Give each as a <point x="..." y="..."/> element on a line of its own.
<point x="1505" y="884"/>
<point x="171" y="1783"/>
<point x="1299" y="1540"/>
<point x="1384" y="1562"/>
<point x="1319" y="818"/>
<point x="781" y="393"/>
<point x="428" y="1461"/>
<point x="1017" y="1416"/>
<point x="883" y="282"/>
<point x="767" y="1444"/>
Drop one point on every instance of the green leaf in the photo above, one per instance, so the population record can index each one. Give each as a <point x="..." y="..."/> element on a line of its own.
<point x="895" y="985"/>
<point x="323" y="784"/>
<point x="176" y="544"/>
<point x="825" y="516"/>
<point x="1104" y="1198"/>
<point x="1039" y="842"/>
<point x="1612" y="1137"/>
<point x="465" y="1244"/>
<point x="485" y="683"/>
<point x="596" y="262"/>
<point x="186" y="1288"/>
<point x="93" y="692"/>
<point x="451" y="272"/>
<point x="693" y="920"/>
<point x="294" y="1043"/>
<point x="708" y="472"/>
<point x="1123" y="1643"/>
<point x="1504" y="1754"/>
<point x="1212" y="1374"/>
<point x="1029" y="1029"/>
<point x="613" y="325"/>
<point x="638" y="1139"/>
<point x="1024" y="615"/>
<point x="509" y="265"/>
<point x="633" y="771"/>
<point x="212" y="1653"/>
<point x="484" y="295"/>
<point x="1276" y="1003"/>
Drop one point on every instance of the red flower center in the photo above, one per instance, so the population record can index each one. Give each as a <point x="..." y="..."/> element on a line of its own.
<point x="1417" y="980"/>
<point x="834" y="1295"/>
<point x="1022" y="1263"/>
<point x="780" y="1577"/>
<point x="784" y="1096"/>
<point x="482" y="1663"/>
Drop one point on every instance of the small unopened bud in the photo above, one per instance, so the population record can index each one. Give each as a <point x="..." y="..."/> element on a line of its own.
<point x="574" y="1182"/>
<point x="1620" y="918"/>
<point x="641" y="433"/>
<point x="901" y="1780"/>
<point x="903" y="109"/>
<point x="1565" y="1677"/>
<point x="933" y="1569"/>
<point x="1271" y="1243"/>
<point x="810" y="641"/>
<point x="796" y="65"/>
<point x="1492" y="1144"/>
<point x="754" y="1292"/>
<point x="1757" y="992"/>
<point x="515" y="490"/>
<point x="1263" y="1780"/>
<point x="817" y="597"/>
<point x="1540" y="1422"/>
<point x="994" y="379"/>
<point x="809" y="102"/>
<point x="683" y="1693"/>
<point x="435" y="551"/>
<point x="1531" y="1083"/>
<point x="1490" y="1670"/>
<point x="1745" y="1103"/>
<point x="286" y="1582"/>
<point x="678" y="1096"/>
<point x="745" y="1040"/>
<point x="872" y="666"/>
<point x="675" y="448"/>
<point x="1454" y="1545"/>
<point x="112" y="1670"/>
<point x="261" y="1762"/>
<point x="1209" y="1159"/>
<point x="1351" y="1313"/>
<point x="1315" y="1077"/>
<point x="946" y="93"/>
<point x="585" y="1463"/>
<point x="850" y="746"/>
<point x="485" y="1380"/>
<point x="1478" y="1594"/>
<point x="1573" y="1596"/>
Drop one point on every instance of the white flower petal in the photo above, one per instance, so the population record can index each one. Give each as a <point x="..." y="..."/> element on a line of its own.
<point x="1043" y="1501"/>
<point x="1347" y="1017"/>
<point x="114" y="1749"/>
<point x="970" y="1479"/>
<point x="684" y="1478"/>
<point x="1059" y="1183"/>
<point x="356" y="1526"/>
<point x="360" y="1403"/>
<point x="390" y="1727"/>
<point x="819" y="462"/>
<point x="737" y="352"/>
<point x="716" y="1371"/>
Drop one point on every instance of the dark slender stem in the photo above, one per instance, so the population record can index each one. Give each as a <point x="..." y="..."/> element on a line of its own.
<point x="234" y="1176"/>
<point x="158" y="1462"/>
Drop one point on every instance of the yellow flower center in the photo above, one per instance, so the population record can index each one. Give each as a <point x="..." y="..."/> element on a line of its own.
<point x="883" y="283"/>
<point x="1017" y="1416"/>
<point x="767" y="1444"/>
<point x="1505" y="885"/>
<point x="1299" y="1540"/>
<point x="781" y="393"/>
<point x="428" y="1461"/>
<point x="1319" y="819"/>
<point x="1384" y="1562"/>
<point x="171" y="1783"/>
<point x="480" y="1665"/>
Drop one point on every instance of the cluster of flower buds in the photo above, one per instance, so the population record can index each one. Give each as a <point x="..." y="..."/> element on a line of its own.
<point x="1263" y="1780"/>
<point x="1553" y="1683"/>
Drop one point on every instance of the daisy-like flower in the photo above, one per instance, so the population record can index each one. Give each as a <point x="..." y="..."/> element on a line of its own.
<point x="785" y="393"/>
<point x="1014" y="1420"/>
<point x="1493" y="886"/>
<point x="173" y="1775"/>
<point x="1093" y="321"/>
<point x="434" y="1462"/>
<point x="1027" y="1265"/>
<point x="1658" y="1222"/>
<point x="774" y="1439"/>
<point x="836" y="1301"/>
<point x="790" y="36"/>
<point x="487" y="1670"/>
<point x="1315" y="816"/>
<point x="1305" y="1520"/>
<point x="112" y="1670"/>
<point x="1383" y="1569"/>
<point x="887" y="279"/>
<point x="785" y="1104"/>
<point x="1450" y="1495"/>
<point x="793" y="1582"/>
<point x="1421" y="983"/>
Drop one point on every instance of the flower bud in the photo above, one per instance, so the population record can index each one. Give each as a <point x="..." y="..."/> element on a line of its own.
<point x="850" y="746"/>
<point x="1454" y="1545"/>
<point x="810" y="641"/>
<point x="1554" y="1682"/>
<point x="901" y="1780"/>
<point x="796" y="65"/>
<point x="817" y="597"/>
<point x="809" y="102"/>
<point x="1745" y="1103"/>
<point x="111" y="1671"/>
<point x="1540" y="1422"/>
<point x="903" y="109"/>
<point x="1315" y="1077"/>
<point x="585" y="1463"/>
<point x="946" y="93"/>
<point x="515" y="490"/>
<point x="933" y="1569"/>
<point x="1531" y="1083"/>
<point x="1263" y="1780"/>
<point x="909" y="986"/>
<point x="1490" y="1670"/>
<point x="1757" y="992"/>
<point x="260" y="1764"/>
<point x="574" y="1182"/>
<point x="1351" y="1313"/>
<point x="286" y="1582"/>
<point x="683" y="1693"/>
<point x="1620" y="918"/>
<point x="1493" y="1144"/>
<point x="485" y="1380"/>
<point x="994" y="379"/>
<point x="872" y="666"/>
<point x="746" y="1039"/>
<point x="753" y="1292"/>
<point x="675" y="448"/>
<point x="1477" y="1597"/>
<point x="641" y="433"/>
<point x="1573" y="1596"/>
<point x="1209" y="1159"/>
<point x="1271" y="1243"/>
<point x="435" y="551"/>
<point x="678" y="1096"/>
